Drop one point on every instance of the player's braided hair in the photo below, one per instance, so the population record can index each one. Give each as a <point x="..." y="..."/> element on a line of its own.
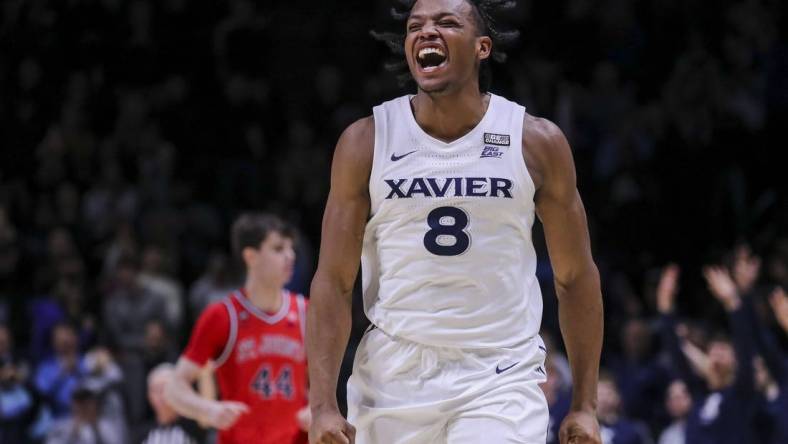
<point x="484" y="14"/>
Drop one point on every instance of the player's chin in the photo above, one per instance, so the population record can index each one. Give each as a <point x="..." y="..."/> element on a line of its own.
<point x="433" y="85"/>
<point x="287" y="275"/>
<point x="433" y="78"/>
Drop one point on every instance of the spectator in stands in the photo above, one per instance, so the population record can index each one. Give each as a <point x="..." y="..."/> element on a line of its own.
<point x="58" y="376"/>
<point x="87" y="425"/>
<point x="771" y="373"/>
<point x="128" y="308"/>
<point x="159" y="347"/>
<point x="123" y="244"/>
<point x="638" y="373"/>
<point x="766" y="425"/>
<point x="66" y="303"/>
<point x="17" y="400"/>
<point x="721" y="377"/>
<point x="771" y="364"/>
<point x="678" y="404"/>
<point x="108" y="200"/>
<point x="216" y="282"/>
<point x="155" y="278"/>
<point x="615" y="427"/>
<point x="101" y="372"/>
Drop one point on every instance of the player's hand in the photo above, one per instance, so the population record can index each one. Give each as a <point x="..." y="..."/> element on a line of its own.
<point x="667" y="288"/>
<point x="304" y="418"/>
<point x="779" y="302"/>
<point x="722" y="287"/>
<point x="746" y="269"/>
<point x="579" y="428"/>
<point x="330" y="427"/>
<point x="223" y="414"/>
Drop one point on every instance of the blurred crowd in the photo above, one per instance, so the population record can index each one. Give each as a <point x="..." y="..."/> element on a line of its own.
<point x="682" y="379"/>
<point x="133" y="132"/>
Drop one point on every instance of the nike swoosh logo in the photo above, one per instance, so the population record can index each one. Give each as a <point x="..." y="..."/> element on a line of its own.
<point x="499" y="370"/>
<point x="395" y="157"/>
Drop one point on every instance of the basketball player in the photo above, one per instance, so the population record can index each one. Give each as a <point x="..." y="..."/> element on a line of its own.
<point x="255" y="338"/>
<point x="436" y="193"/>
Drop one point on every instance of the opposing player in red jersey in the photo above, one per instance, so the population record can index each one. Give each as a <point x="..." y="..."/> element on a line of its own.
<point x="255" y="337"/>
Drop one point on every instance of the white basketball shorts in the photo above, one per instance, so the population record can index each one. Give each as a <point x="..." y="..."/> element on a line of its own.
<point x="402" y="392"/>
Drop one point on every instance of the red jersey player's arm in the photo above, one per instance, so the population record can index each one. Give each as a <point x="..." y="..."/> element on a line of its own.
<point x="208" y="340"/>
<point x="329" y="315"/>
<point x="561" y="211"/>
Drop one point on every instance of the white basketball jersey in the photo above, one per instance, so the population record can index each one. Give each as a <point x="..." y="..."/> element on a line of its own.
<point x="448" y="258"/>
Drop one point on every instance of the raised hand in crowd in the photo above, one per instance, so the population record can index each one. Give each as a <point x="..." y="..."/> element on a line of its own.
<point x="746" y="269"/>
<point x="667" y="288"/>
<point x="779" y="302"/>
<point x="722" y="287"/>
<point x="697" y="358"/>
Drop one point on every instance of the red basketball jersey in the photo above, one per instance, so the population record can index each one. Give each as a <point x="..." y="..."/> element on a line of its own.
<point x="260" y="361"/>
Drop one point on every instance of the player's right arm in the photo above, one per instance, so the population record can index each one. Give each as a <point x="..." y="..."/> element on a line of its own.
<point x="577" y="286"/>
<point x="207" y="342"/>
<point x="187" y="402"/>
<point x="329" y="315"/>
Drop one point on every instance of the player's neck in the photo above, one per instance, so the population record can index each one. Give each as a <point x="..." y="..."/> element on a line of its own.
<point x="450" y="116"/>
<point x="264" y="296"/>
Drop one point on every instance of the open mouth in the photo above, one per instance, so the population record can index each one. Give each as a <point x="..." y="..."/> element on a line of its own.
<point x="431" y="58"/>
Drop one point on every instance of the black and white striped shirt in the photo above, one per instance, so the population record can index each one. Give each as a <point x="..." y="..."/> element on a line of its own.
<point x="171" y="434"/>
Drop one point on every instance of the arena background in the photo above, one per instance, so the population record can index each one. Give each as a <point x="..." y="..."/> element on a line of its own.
<point x="140" y="129"/>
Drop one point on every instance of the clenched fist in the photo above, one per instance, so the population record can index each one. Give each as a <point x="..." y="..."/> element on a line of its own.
<point x="330" y="427"/>
<point x="579" y="428"/>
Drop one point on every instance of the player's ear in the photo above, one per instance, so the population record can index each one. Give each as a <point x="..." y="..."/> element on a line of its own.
<point x="248" y="254"/>
<point x="484" y="47"/>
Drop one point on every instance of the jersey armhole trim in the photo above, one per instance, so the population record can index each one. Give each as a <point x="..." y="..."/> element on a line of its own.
<point x="519" y="122"/>
<point x="378" y="146"/>
<point x="232" y="337"/>
<point x="301" y="304"/>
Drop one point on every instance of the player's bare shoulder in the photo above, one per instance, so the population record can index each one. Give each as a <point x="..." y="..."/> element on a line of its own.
<point x="356" y="145"/>
<point x="352" y="164"/>
<point x="361" y="131"/>
<point x="545" y="149"/>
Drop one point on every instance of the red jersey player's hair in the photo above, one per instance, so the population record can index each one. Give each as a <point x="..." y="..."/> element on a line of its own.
<point x="251" y="229"/>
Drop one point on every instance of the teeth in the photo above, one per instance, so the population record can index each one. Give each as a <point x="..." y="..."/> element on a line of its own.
<point x="424" y="51"/>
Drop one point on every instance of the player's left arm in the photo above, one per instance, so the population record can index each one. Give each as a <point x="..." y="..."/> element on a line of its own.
<point x="206" y="386"/>
<point x="561" y="211"/>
